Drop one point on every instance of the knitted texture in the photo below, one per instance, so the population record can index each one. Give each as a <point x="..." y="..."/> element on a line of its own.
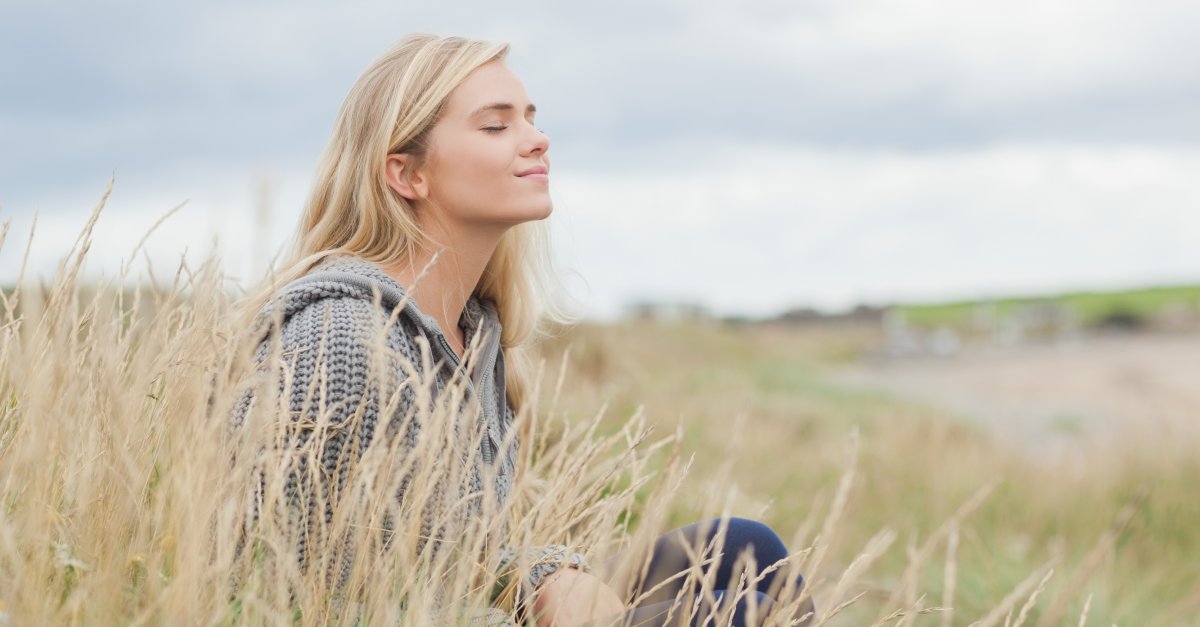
<point x="328" y="319"/>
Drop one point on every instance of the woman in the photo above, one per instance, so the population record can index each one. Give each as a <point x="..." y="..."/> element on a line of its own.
<point x="426" y="211"/>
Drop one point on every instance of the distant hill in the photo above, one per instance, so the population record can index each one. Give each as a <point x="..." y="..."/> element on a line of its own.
<point x="1090" y="309"/>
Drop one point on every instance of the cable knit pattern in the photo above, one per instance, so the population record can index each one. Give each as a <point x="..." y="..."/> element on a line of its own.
<point x="328" y="319"/>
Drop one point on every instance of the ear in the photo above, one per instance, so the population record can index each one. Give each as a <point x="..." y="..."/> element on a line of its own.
<point x="398" y="171"/>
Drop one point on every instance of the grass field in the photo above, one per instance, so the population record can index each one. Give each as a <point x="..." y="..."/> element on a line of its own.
<point x="116" y="492"/>
<point x="756" y="406"/>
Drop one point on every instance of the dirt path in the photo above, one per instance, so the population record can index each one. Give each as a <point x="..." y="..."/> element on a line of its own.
<point x="1068" y="390"/>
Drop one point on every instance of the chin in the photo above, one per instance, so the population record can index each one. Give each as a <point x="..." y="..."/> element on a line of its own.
<point x="533" y="213"/>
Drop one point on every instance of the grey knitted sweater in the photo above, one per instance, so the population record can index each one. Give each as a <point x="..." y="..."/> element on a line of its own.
<point x="333" y="306"/>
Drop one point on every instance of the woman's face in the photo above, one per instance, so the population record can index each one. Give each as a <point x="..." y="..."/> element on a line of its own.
<point x="481" y="146"/>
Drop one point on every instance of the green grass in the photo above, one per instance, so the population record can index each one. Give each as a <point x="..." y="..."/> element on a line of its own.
<point x="1089" y="307"/>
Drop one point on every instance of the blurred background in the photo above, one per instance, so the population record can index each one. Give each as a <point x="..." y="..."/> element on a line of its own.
<point x="738" y="160"/>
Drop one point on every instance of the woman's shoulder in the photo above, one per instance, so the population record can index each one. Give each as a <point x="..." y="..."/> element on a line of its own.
<point x="345" y="301"/>
<point x="350" y="284"/>
<point x="357" y="265"/>
<point x="344" y="318"/>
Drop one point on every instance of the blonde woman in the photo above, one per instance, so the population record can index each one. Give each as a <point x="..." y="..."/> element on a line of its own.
<point x="427" y="211"/>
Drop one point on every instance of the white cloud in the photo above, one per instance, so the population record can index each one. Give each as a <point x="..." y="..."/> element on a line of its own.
<point x="247" y="218"/>
<point x="981" y="54"/>
<point x="787" y="226"/>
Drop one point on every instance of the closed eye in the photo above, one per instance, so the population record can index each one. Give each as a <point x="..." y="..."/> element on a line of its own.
<point x="497" y="129"/>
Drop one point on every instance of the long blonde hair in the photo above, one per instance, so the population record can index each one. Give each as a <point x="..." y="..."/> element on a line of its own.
<point x="391" y="109"/>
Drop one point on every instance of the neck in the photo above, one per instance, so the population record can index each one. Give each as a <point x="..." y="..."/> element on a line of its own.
<point x="444" y="288"/>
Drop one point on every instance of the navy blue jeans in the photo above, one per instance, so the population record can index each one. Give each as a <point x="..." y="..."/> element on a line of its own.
<point x="669" y="559"/>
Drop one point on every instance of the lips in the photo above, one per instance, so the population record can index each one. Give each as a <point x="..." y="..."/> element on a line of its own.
<point x="537" y="169"/>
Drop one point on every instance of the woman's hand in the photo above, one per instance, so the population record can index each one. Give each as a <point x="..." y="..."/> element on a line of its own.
<point x="572" y="597"/>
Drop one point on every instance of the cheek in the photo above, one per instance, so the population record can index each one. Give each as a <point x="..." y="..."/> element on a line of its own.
<point x="491" y="170"/>
<point x="474" y="172"/>
<point x="481" y="163"/>
<point x="476" y="179"/>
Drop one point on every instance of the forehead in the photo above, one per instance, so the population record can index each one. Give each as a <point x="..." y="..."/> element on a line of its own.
<point x="489" y="84"/>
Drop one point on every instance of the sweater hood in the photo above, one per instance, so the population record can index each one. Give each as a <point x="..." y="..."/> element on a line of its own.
<point x="349" y="276"/>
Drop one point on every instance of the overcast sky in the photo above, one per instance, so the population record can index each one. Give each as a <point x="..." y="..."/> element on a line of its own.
<point x="750" y="156"/>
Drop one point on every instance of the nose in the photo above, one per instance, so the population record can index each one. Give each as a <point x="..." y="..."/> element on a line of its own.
<point x="539" y="142"/>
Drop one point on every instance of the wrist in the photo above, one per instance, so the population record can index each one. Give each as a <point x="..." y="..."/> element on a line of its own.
<point x="522" y="572"/>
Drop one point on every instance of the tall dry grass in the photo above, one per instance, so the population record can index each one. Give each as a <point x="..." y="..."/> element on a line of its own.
<point x="127" y="495"/>
<point x="1112" y="507"/>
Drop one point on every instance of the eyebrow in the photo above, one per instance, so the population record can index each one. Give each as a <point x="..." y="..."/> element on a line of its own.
<point x="499" y="106"/>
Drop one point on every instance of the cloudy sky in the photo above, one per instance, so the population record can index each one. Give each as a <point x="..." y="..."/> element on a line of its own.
<point x="750" y="156"/>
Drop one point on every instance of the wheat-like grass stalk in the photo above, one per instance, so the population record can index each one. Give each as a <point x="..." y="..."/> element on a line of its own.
<point x="127" y="498"/>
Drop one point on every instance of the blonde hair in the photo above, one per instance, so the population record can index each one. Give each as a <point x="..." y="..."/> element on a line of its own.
<point x="391" y="109"/>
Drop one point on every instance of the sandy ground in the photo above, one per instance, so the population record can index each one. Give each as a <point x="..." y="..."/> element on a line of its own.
<point x="1050" y="394"/>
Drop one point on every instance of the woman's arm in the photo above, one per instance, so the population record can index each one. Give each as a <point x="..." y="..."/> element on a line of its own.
<point x="329" y="415"/>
